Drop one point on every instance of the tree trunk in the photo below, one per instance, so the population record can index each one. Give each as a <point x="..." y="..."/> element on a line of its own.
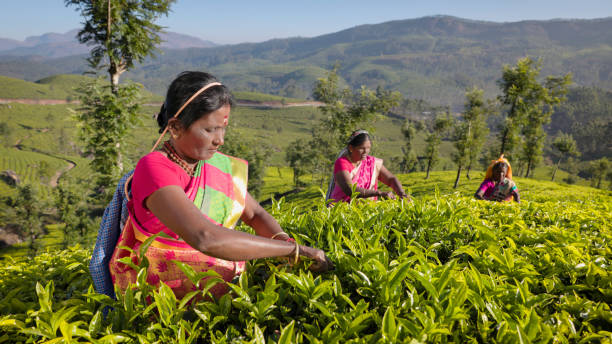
<point x="112" y="68"/>
<point x="528" y="169"/>
<point x="115" y="71"/>
<point x="119" y="158"/>
<point x="503" y="142"/>
<point x="114" y="83"/>
<point x="428" y="168"/>
<point x="458" y="176"/>
<point x="555" y="170"/>
<point x="467" y="172"/>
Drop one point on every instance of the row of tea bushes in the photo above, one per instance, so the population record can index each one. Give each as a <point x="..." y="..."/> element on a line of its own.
<point x="445" y="269"/>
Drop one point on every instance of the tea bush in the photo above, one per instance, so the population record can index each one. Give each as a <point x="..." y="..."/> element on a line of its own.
<point x="441" y="269"/>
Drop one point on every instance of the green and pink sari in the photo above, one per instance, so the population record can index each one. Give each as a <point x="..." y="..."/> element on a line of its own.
<point x="218" y="189"/>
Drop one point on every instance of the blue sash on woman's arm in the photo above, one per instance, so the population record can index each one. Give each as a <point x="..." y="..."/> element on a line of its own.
<point x="113" y="219"/>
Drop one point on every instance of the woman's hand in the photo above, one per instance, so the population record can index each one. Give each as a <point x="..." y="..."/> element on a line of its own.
<point x="321" y="262"/>
<point x="406" y="197"/>
<point x="386" y="194"/>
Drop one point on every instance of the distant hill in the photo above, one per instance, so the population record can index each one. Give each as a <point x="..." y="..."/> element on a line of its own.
<point x="60" y="87"/>
<point x="56" y="87"/>
<point x="432" y="58"/>
<point x="54" y="45"/>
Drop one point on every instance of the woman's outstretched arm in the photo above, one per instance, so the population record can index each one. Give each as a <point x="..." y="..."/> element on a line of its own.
<point x="261" y="221"/>
<point x="516" y="196"/>
<point x="172" y="207"/>
<point x="391" y="180"/>
<point x="479" y="194"/>
<point x="343" y="179"/>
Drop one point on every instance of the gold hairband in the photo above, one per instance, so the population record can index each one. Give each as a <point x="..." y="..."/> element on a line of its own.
<point x="204" y="88"/>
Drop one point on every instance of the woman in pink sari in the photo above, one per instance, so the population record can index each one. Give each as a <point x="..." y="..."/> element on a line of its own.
<point x="192" y="196"/>
<point x="498" y="184"/>
<point x="354" y="167"/>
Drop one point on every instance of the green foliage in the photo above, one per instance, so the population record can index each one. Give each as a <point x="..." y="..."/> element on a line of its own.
<point x="471" y="132"/>
<point x="299" y="157"/>
<point x="439" y="125"/>
<point x="105" y="119"/>
<point x="530" y="105"/>
<point x="586" y="116"/>
<point x="25" y="211"/>
<point x="124" y="32"/>
<point x="344" y="111"/>
<point x="409" y="160"/>
<point x="441" y="269"/>
<point x="566" y="146"/>
<point x="599" y="170"/>
<point x="72" y="208"/>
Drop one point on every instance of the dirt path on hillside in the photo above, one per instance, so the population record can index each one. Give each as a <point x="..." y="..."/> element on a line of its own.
<point x="58" y="174"/>
<point x="53" y="181"/>
<point x="38" y="101"/>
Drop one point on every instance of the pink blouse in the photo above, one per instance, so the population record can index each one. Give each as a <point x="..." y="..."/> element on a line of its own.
<point x="153" y="172"/>
<point x="363" y="177"/>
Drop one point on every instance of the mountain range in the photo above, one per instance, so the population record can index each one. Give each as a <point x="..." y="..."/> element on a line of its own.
<point x="432" y="58"/>
<point x="54" y="45"/>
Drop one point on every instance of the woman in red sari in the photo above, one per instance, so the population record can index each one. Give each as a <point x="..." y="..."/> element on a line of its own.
<point x="354" y="167"/>
<point x="193" y="195"/>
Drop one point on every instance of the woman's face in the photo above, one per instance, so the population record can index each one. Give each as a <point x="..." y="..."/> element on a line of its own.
<point x="499" y="173"/>
<point x="202" y="139"/>
<point x="360" y="152"/>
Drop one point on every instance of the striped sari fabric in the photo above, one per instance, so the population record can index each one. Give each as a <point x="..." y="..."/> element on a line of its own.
<point x="219" y="190"/>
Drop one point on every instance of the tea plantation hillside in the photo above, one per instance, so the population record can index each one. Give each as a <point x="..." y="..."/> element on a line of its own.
<point x="60" y="87"/>
<point x="40" y="140"/>
<point x="444" y="268"/>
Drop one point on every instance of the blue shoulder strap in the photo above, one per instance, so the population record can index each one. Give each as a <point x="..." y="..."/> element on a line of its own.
<point x="113" y="220"/>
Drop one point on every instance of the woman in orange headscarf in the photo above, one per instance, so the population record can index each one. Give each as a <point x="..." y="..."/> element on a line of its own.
<point x="498" y="184"/>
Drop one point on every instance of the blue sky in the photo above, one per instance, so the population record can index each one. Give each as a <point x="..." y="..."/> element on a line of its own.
<point x="236" y="21"/>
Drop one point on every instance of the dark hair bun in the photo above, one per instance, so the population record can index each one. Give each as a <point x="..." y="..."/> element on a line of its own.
<point x="162" y="118"/>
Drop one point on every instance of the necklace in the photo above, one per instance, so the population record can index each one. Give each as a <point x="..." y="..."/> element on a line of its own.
<point x="174" y="157"/>
<point x="355" y="164"/>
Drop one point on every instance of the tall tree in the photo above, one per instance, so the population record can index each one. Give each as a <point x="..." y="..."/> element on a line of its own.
<point x="346" y="110"/>
<point x="26" y="208"/>
<point x="121" y="32"/>
<point x="105" y="119"/>
<point x="439" y="126"/>
<point x="552" y="92"/>
<point x="566" y="146"/>
<point x="299" y="157"/>
<point x="72" y="211"/>
<point x="409" y="160"/>
<point x="599" y="170"/>
<point x="529" y="106"/>
<point x="470" y="133"/>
